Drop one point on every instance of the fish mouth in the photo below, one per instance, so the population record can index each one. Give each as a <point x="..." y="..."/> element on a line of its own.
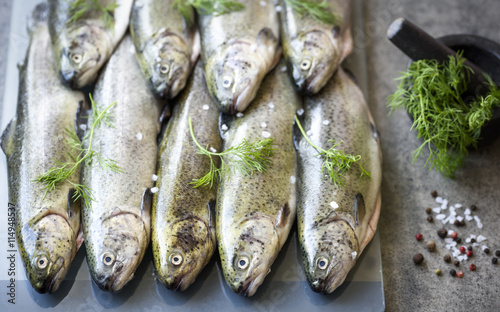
<point x="115" y="282"/>
<point x="251" y="285"/>
<point x="52" y="282"/>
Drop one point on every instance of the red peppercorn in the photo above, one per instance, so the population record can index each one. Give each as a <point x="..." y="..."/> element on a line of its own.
<point x="419" y="236"/>
<point x="460" y="274"/>
<point x="470" y="253"/>
<point x="454" y="235"/>
<point x="462" y="249"/>
<point x="472" y="267"/>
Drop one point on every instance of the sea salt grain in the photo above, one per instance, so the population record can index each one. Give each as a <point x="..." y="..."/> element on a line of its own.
<point x="271" y="105"/>
<point x="436" y="210"/>
<point x="138" y="136"/>
<point x="458" y="206"/>
<point x="440" y="216"/>
<point x="439" y="200"/>
<point x="83" y="127"/>
<point x="213" y="150"/>
<point x="467" y="211"/>
<point x="263" y="125"/>
<point x="224" y="127"/>
<point x="292" y="179"/>
<point x="132" y="49"/>
<point x="354" y="254"/>
<point x="300" y="112"/>
<point x="263" y="3"/>
<point x="154" y="190"/>
<point x="448" y="240"/>
<point x="460" y="218"/>
<point x="283" y="69"/>
<point x="334" y="205"/>
<point x="266" y="134"/>
<point x="206" y="107"/>
<point x="239" y="115"/>
<point x="326" y="122"/>
<point x="480" y="238"/>
<point x="154" y="177"/>
<point x="468" y="218"/>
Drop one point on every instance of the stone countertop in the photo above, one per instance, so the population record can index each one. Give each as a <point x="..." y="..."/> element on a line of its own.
<point x="406" y="188"/>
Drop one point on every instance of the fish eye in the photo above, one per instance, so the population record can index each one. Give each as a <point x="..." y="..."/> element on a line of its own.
<point x="305" y="64"/>
<point x="77" y="58"/>
<point x="176" y="258"/>
<point x="42" y="262"/>
<point x="164" y="68"/>
<point x="108" y="258"/>
<point x="227" y="81"/>
<point x="242" y="262"/>
<point x="322" y="263"/>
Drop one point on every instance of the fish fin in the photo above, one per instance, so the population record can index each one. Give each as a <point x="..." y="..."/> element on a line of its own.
<point x="347" y="44"/>
<point x="196" y="48"/>
<point x="266" y="37"/>
<point x="38" y="17"/>
<point x="277" y="58"/>
<point x="359" y="208"/>
<point x="74" y="206"/>
<point x="282" y="217"/>
<point x="81" y="118"/>
<point x="6" y="140"/>
<point x="79" y="238"/>
<point x="297" y="135"/>
<point x="224" y="119"/>
<point x="147" y="202"/>
<point x="211" y="213"/>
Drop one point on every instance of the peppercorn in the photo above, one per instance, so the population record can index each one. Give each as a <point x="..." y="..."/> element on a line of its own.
<point x="431" y="245"/>
<point x="472" y="267"/>
<point x="428" y="210"/>
<point x="462" y="249"/>
<point x="442" y="233"/>
<point x="453" y="272"/>
<point x="434" y="193"/>
<point x="458" y="240"/>
<point x="454" y="235"/>
<point x="456" y="263"/>
<point x="470" y="253"/>
<point x="430" y="219"/>
<point x="497" y="253"/>
<point x="460" y="274"/>
<point x="438" y="272"/>
<point x="472" y="240"/>
<point x="469" y="248"/>
<point x="486" y="251"/>
<point x="457" y="223"/>
<point x="418" y="258"/>
<point x="447" y="258"/>
<point x="419" y="236"/>
<point x="494" y="260"/>
<point x="473" y="207"/>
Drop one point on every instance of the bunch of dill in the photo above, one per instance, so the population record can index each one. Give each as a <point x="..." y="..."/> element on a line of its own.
<point x="432" y="92"/>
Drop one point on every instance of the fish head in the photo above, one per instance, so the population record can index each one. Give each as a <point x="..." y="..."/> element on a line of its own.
<point x="81" y="53"/>
<point x="116" y="250"/>
<point x="168" y="64"/>
<point x="184" y="253"/>
<point x="49" y="247"/>
<point x="329" y="257"/>
<point x="250" y="253"/>
<point x="312" y="60"/>
<point x="232" y="79"/>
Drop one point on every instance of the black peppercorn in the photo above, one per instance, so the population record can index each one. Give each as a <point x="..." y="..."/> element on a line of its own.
<point x="456" y="263"/>
<point x="428" y="210"/>
<point x="458" y="240"/>
<point x="497" y="253"/>
<point x="418" y="258"/>
<point x="457" y="223"/>
<point x="442" y="233"/>
<point x="434" y="193"/>
<point x="472" y="240"/>
<point x="494" y="260"/>
<point x="469" y="248"/>
<point x="430" y="218"/>
<point x="486" y="251"/>
<point x="453" y="272"/>
<point x="447" y="258"/>
<point x="473" y="207"/>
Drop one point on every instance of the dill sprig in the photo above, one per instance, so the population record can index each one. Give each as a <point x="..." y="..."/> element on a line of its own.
<point x="336" y="162"/>
<point x="320" y="11"/>
<point x="79" y="8"/>
<point x="62" y="171"/>
<point x="246" y="158"/>
<point x="206" y="7"/>
<point x="432" y="92"/>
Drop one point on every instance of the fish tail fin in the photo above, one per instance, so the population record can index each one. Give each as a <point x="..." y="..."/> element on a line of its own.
<point x="6" y="139"/>
<point x="39" y="16"/>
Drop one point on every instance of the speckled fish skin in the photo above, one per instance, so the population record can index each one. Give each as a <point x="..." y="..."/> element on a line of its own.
<point x="166" y="46"/>
<point x="238" y="50"/>
<point x="255" y="213"/>
<point x="117" y="225"/>
<point x="183" y="236"/>
<point x="314" y="50"/>
<point x="332" y="238"/>
<point x="47" y="227"/>
<point x="83" y="47"/>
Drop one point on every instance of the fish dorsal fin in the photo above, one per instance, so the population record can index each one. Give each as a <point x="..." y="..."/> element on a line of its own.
<point x="359" y="208"/>
<point x="211" y="213"/>
<point x="282" y="217"/>
<point x="74" y="203"/>
<point x="6" y="139"/>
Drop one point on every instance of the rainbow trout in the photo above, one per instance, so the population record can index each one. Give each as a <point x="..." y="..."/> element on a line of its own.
<point x="255" y="213"/>
<point x="47" y="223"/>
<point x="117" y="225"/>
<point x="314" y="50"/>
<point x="336" y="223"/>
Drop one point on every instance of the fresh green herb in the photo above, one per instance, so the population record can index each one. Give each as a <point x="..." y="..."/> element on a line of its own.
<point x="206" y="7"/>
<point x="63" y="171"/>
<point x="432" y="93"/>
<point x="79" y="8"/>
<point x="320" y="11"/>
<point x="335" y="162"/>
<point x="246" y="158"/>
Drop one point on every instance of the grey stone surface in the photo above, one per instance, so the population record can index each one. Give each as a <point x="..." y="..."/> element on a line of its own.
<point x="406" y="187"/>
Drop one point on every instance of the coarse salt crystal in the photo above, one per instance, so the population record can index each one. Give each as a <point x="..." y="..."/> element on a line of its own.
<point x="354" y="254"/>
<point x="206" y="107"/>
<point x="213" y="150"/>
<point x="263" y="125"/>
<point x="224" y="127"/>
<point x="467" y="240"/>
<point x="456" y="253"/>
<point x="475" y="244"/>
<point x="239" y="115"/>
<point x="292" y="179"/>
<point x="279" y="8"/>
<point x="154" y="177"/>
<point x="263" y="3"/>
<point x="453" y="244"/>
<point x="458" y="205"/>
<point x="467" y="211"/>
<point x="271" y="105"/>
<point x="283" y="69"/>
<point x="138" y="136"/>
<point x="300" y="111"/>
<point x="154" y="190"/>
<point x="440" y="216"/>
<point x="83" y="127"/>
<point x="445" y="221"/>
<point x="460" y="218"/>
<point x="479" y="225"/>
<point x="445" y="202"/>
<point x="468" y="218"/>
<point x="131" y="49"/>
<point x="448" y="240"/>
<point x="450" y="232"/>
<point x="266" y="134"/>
<point x="334" y="205"/>
<point x="326" y="122"/>
<point x="439" y="200"/>
<point x="477" y="220"/>
<point x="473" y="236"/>
<point x="480" y="238"/>
<point x="436" y="210"/>
<point x="448" y="246"/>
<point x="451" y="219"/>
